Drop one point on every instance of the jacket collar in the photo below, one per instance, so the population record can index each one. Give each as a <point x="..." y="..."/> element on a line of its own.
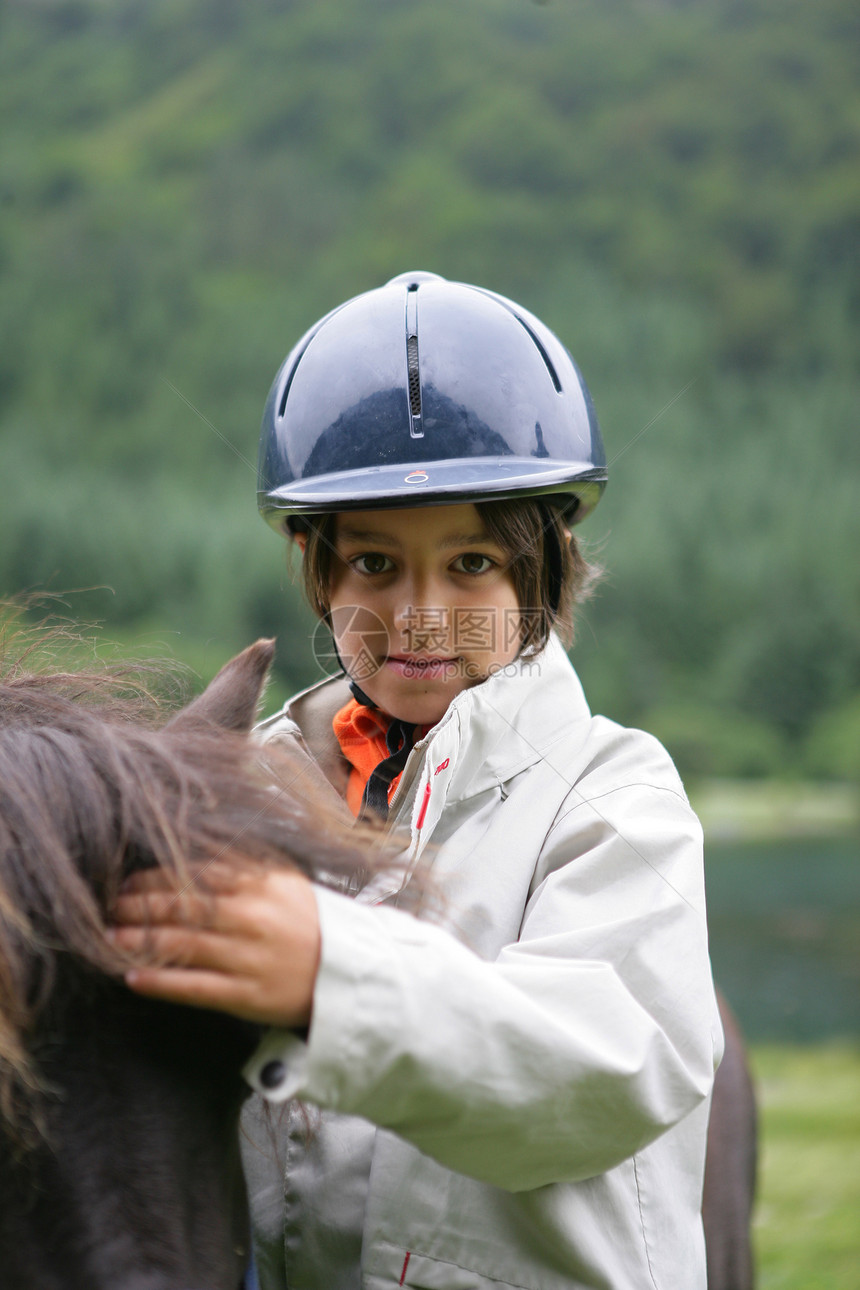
<point x="489" y="733"/>
<point x="510" y="721"/>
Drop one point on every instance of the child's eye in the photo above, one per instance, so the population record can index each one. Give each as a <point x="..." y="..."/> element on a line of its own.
<point x="372" y="563"/>
<point x="472" y="562"/>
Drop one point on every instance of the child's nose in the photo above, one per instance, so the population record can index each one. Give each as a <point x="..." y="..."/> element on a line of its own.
<point x="422" y="616"/>
<point x="418" y="590"/>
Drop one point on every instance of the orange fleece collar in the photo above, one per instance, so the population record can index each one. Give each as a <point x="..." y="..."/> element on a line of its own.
<point x="361" y="732"/>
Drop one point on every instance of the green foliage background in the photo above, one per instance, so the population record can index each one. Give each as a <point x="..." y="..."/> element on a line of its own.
<point x="185" y="185"/>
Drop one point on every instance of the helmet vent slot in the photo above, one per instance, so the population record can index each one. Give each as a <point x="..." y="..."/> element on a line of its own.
<point x="413" y="372"/>
<point x="304" y="345"/>
<point x="542" y="351"/>
<point x="282" y="405"/>
<point x="414" y="378"/>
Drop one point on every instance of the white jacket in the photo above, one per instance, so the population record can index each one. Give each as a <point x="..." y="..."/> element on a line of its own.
<point x="540" y="1079"/>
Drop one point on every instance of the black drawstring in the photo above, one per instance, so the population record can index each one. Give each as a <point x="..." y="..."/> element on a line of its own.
<point x="399" y="738"/>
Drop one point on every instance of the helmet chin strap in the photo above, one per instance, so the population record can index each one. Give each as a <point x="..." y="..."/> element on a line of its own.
<point x="359" y="695"/>
<point x="399" y="740"/>
<point x="354" y="688"/>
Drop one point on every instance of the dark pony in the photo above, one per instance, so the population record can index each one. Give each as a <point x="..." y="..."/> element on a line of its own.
<point x="119" y="1163"/>
<point x="731" y="1166"/>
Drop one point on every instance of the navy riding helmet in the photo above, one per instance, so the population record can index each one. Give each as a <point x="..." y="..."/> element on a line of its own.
<point x="425" y="392"/>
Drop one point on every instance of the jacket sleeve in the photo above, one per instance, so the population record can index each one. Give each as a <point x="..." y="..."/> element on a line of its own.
<point x="585" y="1040"/>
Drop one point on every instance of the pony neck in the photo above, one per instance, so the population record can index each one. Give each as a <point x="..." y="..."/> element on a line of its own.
<point x="138" y="1183"/>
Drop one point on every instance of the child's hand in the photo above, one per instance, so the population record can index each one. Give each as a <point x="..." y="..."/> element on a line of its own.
<point x="248" y="943"/>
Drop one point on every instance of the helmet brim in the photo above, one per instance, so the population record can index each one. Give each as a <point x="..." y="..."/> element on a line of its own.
<point x="577" y="487"/>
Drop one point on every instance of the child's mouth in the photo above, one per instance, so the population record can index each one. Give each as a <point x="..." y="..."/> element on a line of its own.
<point x="422" y="666"/>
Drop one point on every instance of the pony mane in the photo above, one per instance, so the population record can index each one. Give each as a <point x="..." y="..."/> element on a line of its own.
<point x="93" y="785"/>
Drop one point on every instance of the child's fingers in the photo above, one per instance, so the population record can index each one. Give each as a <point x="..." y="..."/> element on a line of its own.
<point x="227" y="906"/>
<point x="208" y="975"/>
<point x="185" y="948"/>
<point x="151" y="880"/>
<point x="244" y="915"/>
<point x="169" y="907"/>
<point x="197" y="988"/>
<point x="263" y="941"/>
<point x="215" y="875"/>
<point x="236" y="946"/>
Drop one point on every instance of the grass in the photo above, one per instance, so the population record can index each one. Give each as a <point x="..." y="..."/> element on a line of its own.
<point x="734" y="810"/>
<point x="807" y="1226"/>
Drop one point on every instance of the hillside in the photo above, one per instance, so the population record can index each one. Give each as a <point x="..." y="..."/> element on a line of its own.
<point x="185" y="186"/>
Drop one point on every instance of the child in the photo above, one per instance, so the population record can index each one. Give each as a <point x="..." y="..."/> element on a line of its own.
<point x="520" y="1098"/>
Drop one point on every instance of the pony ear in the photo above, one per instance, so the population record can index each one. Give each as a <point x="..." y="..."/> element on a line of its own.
<point x="230" y="699"/>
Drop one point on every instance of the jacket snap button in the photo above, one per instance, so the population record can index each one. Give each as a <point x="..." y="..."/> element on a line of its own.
<point x="273" y="1074"/>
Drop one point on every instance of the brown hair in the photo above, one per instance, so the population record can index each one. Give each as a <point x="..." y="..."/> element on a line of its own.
<point x="550" y="573"/>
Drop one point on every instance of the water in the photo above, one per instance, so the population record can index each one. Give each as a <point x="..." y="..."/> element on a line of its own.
<point x="785" y="936"/>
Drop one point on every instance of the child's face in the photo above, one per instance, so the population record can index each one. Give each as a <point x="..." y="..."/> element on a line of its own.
<point x="423" y="606"/>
